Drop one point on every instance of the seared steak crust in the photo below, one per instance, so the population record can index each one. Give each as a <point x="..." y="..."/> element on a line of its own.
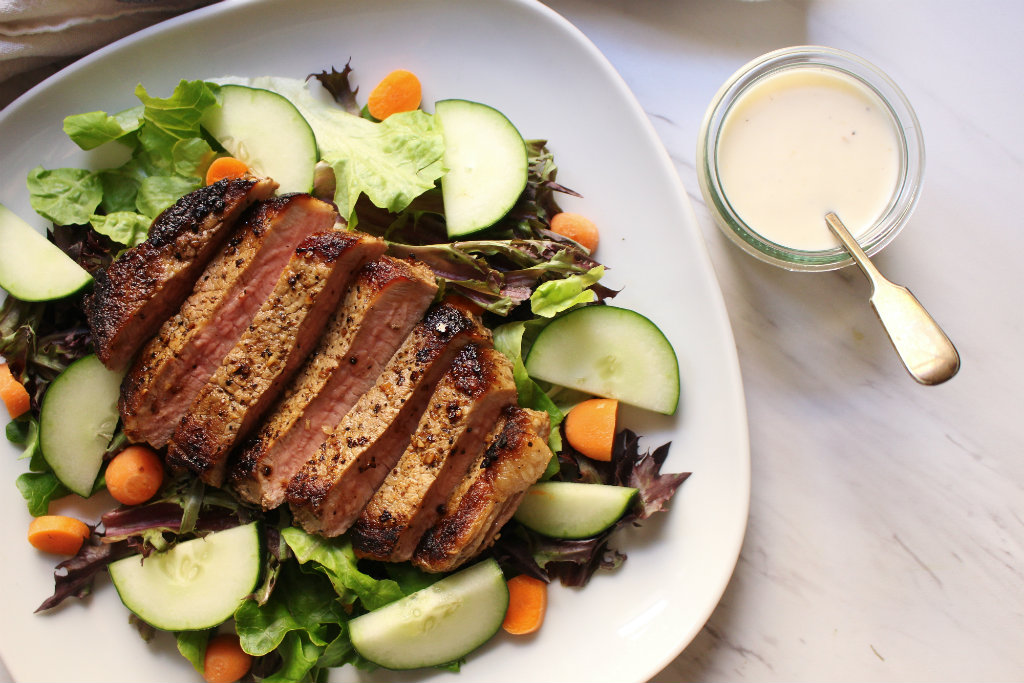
<point x="463" y="409"/>
<point x="515" y="458"/>
<point x="172" y="368"/>
<point x="330" y="489"/>
<point x="283" y="332"/>
<point x="387" y="298"/>
<point x="141" y="289"/>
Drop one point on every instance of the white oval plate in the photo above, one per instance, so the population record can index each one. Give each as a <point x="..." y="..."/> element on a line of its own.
<point x="528" y="62"/>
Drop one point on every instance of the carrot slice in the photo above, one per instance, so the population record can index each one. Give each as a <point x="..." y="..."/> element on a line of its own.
<point x="397" y="92"/>
<point x="590" y="427"/>
<point x="576" y="227"/>
<point x="225" y="167"/>
<point x="527" y="602"/>
<point x="57" y="534"/>
<point x="13" y="393"/>
<point x="225" y="660"/>
<point x="134" y="475"/>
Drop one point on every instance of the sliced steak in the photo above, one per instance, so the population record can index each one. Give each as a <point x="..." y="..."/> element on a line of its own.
<point x="172" y="368"/>
<point x="516" y="455"/>
<point x="283" y="332"/>
<point x="387" y="298"/>
<point x="450" y="435"/>
<point x="140" y="290"/>
<point x="329" y="491"/>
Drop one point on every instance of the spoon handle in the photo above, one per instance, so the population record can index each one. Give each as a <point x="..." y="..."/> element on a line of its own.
<point x="925" y="350"/>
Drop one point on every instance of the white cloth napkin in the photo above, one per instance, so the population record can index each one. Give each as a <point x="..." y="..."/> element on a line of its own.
<point x="36" y="34"/>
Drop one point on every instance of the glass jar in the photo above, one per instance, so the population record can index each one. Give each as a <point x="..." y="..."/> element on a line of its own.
<point x="910" y="154"/>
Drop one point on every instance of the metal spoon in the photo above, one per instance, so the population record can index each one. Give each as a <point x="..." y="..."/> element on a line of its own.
<point x="924" y="348"/>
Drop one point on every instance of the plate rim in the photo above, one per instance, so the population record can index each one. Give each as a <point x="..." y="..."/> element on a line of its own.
<point x="667" y="168"/>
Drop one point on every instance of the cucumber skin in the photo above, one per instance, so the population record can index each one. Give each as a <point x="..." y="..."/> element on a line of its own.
<point x="371" y="650"/>
<point x="510" y="201"/>
<point x="181" y="626"/>
<point x="15" y="233"/>
<point x="53" y="428"/>
<point x="580" y="345"/>
<point x="219" y="126"/>
<point x="531" y="512"/>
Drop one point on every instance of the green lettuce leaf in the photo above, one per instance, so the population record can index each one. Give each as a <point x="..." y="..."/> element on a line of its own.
<point x="298" y="659"/>
<point x="191" y="157"/>
<point x="121" y="186"/>
<point x="24" y="432"/>
<point x="391" y="162"/>
<point x="555" y="296"/>
<point x="94" y="128"/>
<point x="192" y="646"/>
<point x="157" y="192"/>
<point x="300" y="602"/>
<point x="38" y="489"/>
<point x="174" y="118"/>
<point x="124" y="227"/>
<point x="337" y="560"/>
<point x="169" y="158"/>
<point x="66" y="196"/>
<point x="508" y="339"/>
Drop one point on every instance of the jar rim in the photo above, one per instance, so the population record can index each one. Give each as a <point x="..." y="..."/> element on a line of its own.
<point x="911" y="153"/>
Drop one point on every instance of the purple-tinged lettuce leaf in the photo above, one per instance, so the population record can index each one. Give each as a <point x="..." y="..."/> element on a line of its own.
<point x="146" y="632"/>
<point x="39" y="340"/>
<point x="74" y="577"/>
<point x="337" y="83"/>
<point x="628" y="467"/>
<point x="163" y="517"/>
<point x="574" y="562"/>
<point x="86" y="247"/>
<point x="498" y="274"/>
<point x="644" y="474"/>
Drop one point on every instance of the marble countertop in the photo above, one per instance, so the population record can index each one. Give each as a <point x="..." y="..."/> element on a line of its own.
<point x="886" y="532"/>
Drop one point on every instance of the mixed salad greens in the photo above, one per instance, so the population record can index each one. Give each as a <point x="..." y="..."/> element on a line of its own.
<point x="384" y="176"/>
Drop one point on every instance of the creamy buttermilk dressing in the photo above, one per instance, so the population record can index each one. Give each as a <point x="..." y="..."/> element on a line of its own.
<point x="802" y="142"/>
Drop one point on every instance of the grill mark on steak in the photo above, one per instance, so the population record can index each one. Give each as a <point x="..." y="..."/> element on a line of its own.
<point x="463" y="409"/>
<point x="283" y="332"/>
<point x="173" y="367"/>
<point x="135" y="295"/>
<point x="489" y="494"/>
<point x="387" y="298"/>
<point x="331" y="488"/>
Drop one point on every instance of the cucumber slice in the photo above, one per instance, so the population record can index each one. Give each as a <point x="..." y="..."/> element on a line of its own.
<point x="77" y="420"/>
<point x="610" y="352"/>
<point x="31" y="267"/>
<point x="563" y="509"/>
<point x="196" y="584"/>
<point x="487" y="164"/>
<point x="268" y="133"/>
<point x="435" y="625"/>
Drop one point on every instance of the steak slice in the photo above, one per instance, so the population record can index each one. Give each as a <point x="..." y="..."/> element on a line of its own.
<point x="516" y="456"/>
<point x="450" y="435"/>
<point x="172" y="368"/>
<point x="387" y="298"/>
<point x="140" y="290"/>
<point x="282" y="333"/>
<point x="331" y="488"/>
